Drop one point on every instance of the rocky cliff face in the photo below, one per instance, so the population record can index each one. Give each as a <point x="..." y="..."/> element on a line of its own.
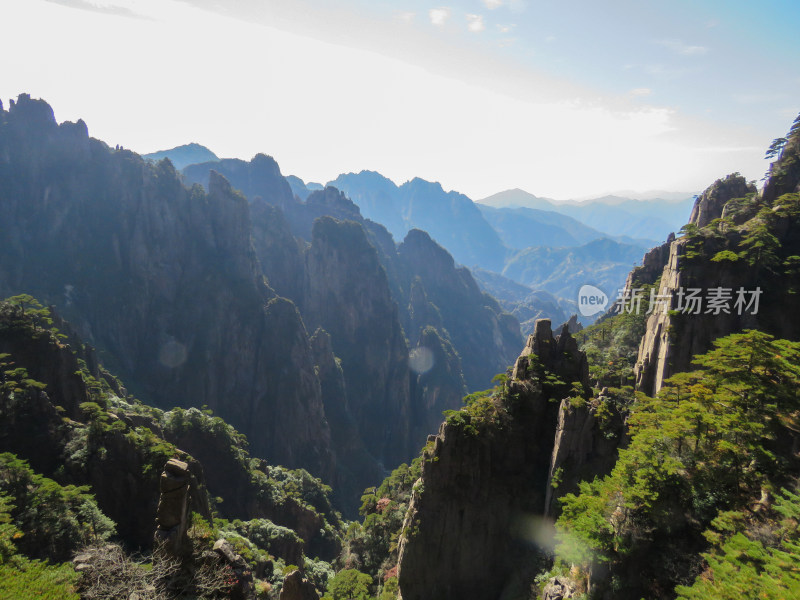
<point x="374" y="300"/>
<point x="347" y="294"/>
<point x="162" y="279"/>
<point x="53" y="428"/>
<point x="475" y="527"/>
<point x="485" y="337"/>
<point x="748" y="250"/>
<point x="708" y="206"/>
<point x="77" y="424"/>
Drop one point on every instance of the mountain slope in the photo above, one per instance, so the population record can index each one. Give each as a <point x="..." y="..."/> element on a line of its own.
<point x="162" y="279"/>
<point x="410" y="327"/>
<point x="525" y="227"/>
<point x="180" y="156"/>
<point x="451" y="219"/>
<point x="652" y="219"/>
<point x="562" y="271"/>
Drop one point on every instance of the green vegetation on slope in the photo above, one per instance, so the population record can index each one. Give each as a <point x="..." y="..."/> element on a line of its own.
<point x="80" y="425"/>
<point x="713" y="441"/>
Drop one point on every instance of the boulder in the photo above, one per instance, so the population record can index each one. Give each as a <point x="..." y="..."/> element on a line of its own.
<point x="297" y="587"/>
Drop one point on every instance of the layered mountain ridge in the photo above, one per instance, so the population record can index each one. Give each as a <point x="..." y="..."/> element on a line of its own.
<point x="168" y="282"/>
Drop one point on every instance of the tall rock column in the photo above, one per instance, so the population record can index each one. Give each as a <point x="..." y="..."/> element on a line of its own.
<point x="476" y="514"/>
<point x="347" y="294"/>
<point x="172" y="517"/>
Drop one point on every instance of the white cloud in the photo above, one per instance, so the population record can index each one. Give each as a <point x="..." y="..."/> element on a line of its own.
<point x="475" y="23"/>
<point x="403" y="121"/>
<point x="438" y="16"/>
<point x="641" y="91"/>
<point x="680" y="47"/>
<point x="492" y="4"/>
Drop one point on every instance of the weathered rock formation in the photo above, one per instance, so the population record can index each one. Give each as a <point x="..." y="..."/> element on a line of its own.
<point x="674" y="335"/>
<point x="297" y="587"/>
<point x="475" y="523"/>
<point x="486" y="338"/>
<point x="161" y="278"/>
<point x="172" y="515"/>
<point x="558" y="588"/>
<point x="584" y="446"/>
<point x="244" y="588"/>
<point x="347" y="294"/>
<point x="348" y="277"/>
<point x="52" y="430"/>
<point x="708" y="206"/>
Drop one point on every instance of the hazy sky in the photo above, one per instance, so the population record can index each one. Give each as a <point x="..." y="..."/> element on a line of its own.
<point x="563" y="99"/>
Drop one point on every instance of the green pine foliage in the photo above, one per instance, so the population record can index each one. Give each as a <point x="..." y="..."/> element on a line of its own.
<point x="612" y="344"/>
<point x="37" y="580"/>
<point x="709" y="443"/>
<point x="766" y="559"/>
<point x="52" y="520"/>
<point x="372" y="544"/>
<point x="349" y="584"/>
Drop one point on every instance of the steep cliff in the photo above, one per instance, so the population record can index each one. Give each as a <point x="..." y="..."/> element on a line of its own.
<point x="347" y="294"/>
<point x="53" y="413"/>
<point x="450" y="288"/>
<point x="72" y="420"/>
<point x="475" y="526"/>
<point x="374" y="300"/>
<point x="161" y="278"/>
<point x="733" y="269"/>
<point x="484" y="336"/>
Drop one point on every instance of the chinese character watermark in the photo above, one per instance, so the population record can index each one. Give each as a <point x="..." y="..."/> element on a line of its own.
<point x="691" y="301"/>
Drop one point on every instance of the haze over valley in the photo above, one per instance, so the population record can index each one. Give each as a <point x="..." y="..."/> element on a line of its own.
<point x="486" y="300"/>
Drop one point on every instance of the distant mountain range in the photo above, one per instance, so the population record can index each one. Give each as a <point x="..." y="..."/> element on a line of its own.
<point x="452" y="219"/>
<point x="652" y="219"/>
<point x="182" y="156"/>
<point x="543" y="245"/>
<point x="525" y="303"/>
<point x="525" y="227"/>
<point x="562" y="271"/>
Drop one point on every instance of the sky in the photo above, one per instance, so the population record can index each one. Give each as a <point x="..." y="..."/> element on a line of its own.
<point x="566" y="99"/>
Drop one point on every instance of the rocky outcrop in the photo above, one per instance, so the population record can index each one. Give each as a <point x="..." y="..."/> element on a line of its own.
<point x="559" y="588"/>
<point x="172" y="515"/>
<point x="260" y="177"/>
<point x="436" y="379"/>
<point x="52" y="430"/>
<point x="572" y="325"/>
<point x="279" y="252"/>
<point x="240" y="482"/>
<point x="424" y="284"/>
<point x="243" y="588"/>
<point x="652" y="266"/>
<point x="297" y="587"/>
<point x="584" y="446"/>
<point x="710" y="203"/>
<point x="162" y="279"/>
<point x="347" y="294"/>
<point x="486" y="338"/>
<point x="476" y="514"/>
<point x="784" y="173"/>
<point x="357" y="466"/>
<point x="677" y="330"/>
